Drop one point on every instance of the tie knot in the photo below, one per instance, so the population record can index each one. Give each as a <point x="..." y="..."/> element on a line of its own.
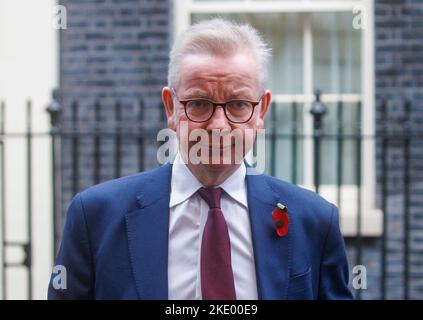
<point x="211" y="196"/>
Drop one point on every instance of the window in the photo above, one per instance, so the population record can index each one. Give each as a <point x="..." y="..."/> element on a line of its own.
<point x="314" y="46"/>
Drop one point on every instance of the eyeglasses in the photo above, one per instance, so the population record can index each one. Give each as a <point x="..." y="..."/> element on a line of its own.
<point x="202" y="110"/>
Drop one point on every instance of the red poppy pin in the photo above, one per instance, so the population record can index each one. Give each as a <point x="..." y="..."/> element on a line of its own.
<point x="281" y="219"/>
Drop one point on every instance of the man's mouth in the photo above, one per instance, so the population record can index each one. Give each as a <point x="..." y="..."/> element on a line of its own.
<point x="217" y="146"/>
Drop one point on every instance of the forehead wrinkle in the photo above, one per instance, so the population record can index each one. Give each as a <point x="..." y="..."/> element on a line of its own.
<point x="210" y="78"/>
<point x="234" y="81"/>
<point x="236" y="66"/>
<point x="226" y="92"/>
<point x="218" y="78"/>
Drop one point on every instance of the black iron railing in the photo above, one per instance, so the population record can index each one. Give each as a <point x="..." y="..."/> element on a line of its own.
<point x="73" y="132"/>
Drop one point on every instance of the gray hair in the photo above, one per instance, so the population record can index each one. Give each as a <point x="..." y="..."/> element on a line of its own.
<point x="219" y="37"/>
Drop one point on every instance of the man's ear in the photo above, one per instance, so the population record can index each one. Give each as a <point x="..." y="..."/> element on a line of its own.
<point x="265" y="102"/>
<point x="168" y="103"/>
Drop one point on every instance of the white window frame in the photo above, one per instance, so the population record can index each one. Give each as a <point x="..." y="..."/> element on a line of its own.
<point x="371" y="216"/>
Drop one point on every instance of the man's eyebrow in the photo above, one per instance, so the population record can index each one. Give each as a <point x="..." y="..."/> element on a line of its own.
<point x="190" y="94"/>
<point x="242" y="94"/>
<point x="200" y="94"/>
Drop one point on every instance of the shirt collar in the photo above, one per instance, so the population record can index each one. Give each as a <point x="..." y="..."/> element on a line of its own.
<point x="235" y="186"/>
<point x="184" y="184"/>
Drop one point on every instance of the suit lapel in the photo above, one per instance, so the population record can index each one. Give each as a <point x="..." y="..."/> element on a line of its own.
<point x="272" y="254"/>
<point x="147" y="230"/>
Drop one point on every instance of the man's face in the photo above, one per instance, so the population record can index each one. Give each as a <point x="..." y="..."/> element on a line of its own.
<point x="218" y="79"/>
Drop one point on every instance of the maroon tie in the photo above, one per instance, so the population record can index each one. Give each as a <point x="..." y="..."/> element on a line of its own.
<point x="217" y="280"/>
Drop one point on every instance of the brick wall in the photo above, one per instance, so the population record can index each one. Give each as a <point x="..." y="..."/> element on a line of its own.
<point x="112" y="50"/>
<point x="119" y="50"/>
<point x="399" y="76"/>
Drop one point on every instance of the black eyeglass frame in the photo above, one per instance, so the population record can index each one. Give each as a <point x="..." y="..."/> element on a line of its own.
<point x="215" y="105"/>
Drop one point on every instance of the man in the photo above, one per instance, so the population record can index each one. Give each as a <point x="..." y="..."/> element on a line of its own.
<point x="205" y="228"/>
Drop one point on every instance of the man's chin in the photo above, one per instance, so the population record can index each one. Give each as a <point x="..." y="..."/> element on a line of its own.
<point x="219" y="159"/>
<point x="218" y="166"/>
<point x="222" y="162"/>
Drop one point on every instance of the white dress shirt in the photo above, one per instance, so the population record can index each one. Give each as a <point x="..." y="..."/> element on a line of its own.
<point x="188" y="215"/>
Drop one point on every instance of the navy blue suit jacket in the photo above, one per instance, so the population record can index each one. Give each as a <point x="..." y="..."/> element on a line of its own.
<point x="115" y="241"/>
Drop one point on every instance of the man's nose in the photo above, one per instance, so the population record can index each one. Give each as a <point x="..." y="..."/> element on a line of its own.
<point x="218" y="120"/>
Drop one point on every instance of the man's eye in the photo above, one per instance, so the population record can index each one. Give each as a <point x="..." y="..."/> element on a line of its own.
<point x="198" y="104"/>
<point x="238" y="104"/>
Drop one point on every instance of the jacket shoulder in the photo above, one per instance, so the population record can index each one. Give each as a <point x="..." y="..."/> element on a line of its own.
<point x="309" y="207"/>
<point x="125" y="190"/>
<point x="308" y="197"/>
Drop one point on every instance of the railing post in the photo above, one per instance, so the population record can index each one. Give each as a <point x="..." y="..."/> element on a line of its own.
<point x="75" y="147"/>
<point x="339" y="152"/>
<point x="359" y="240"/>
<point x="141" y="135"/>
<point x="28" y="245"/>
<point x="55" y="111"/>
<point x="273" y="138"/>
<point x="407" y="190"/>
<point x="384" y="195"/>
<point x="294" y="141"/>
<point x="3" y="200"/>
<point x="118" y="139"/>
<point x="97" y="141"/>
<point x="318" y="110"/>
